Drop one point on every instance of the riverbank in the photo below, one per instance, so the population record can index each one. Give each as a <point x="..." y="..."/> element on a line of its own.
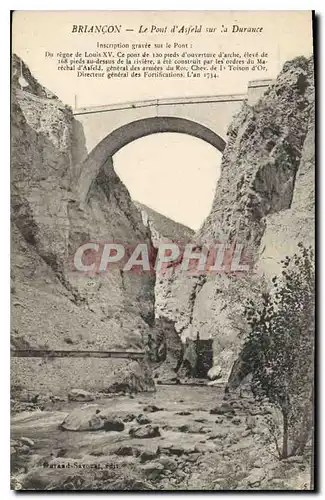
<point x="180" y="437"/>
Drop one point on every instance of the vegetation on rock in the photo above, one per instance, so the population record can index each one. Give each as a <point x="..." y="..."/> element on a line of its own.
<point x="280" y="350"/>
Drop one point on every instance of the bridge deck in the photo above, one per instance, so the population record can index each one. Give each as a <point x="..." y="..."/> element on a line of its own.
<point x="160" y="102"/>
<point x="170" y="101"/>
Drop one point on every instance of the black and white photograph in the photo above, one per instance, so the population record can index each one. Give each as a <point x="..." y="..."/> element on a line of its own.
<point x="162" y="251"/>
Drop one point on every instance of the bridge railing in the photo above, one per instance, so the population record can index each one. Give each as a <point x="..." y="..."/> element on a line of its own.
<point x="255" y="87"/>
<point x="169" y="101"/>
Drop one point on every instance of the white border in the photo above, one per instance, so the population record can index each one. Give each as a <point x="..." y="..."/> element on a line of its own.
<point x="4" y="185"/>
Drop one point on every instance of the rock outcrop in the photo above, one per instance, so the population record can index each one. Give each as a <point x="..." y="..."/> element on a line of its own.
<point x="162" y="227"/>
<point x="167" y="348"/>
<point x="54" y="307"/>
<point x="264" y="199"/>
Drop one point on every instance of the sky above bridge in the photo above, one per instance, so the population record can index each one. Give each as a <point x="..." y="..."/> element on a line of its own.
<point x="174" y="174"/>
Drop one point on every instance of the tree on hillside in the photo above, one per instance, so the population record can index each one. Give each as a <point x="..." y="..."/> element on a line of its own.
<point x="280" y="349"/>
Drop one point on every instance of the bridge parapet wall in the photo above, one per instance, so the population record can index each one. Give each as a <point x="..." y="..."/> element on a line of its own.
<point x="256" y="89"/>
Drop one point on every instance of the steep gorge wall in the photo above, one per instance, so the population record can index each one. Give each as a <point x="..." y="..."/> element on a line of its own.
<point x="168" y="348"/>
<point x="264" y="199"/>
<point x="53" y="307"/>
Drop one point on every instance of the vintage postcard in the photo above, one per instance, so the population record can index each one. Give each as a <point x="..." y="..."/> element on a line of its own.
<point x="162" y="257"/>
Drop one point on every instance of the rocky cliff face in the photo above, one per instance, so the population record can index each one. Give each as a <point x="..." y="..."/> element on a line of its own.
<point x="167" y="348"/>
<point x="264" y="199"/>
<point x="162" y="227"/>
<point x="52" y="307"/>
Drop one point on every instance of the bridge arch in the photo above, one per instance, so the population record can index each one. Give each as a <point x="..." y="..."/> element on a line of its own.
<point x="125" y="134"/>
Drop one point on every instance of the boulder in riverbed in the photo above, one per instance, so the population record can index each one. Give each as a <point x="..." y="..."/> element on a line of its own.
<point x="168" y="463"/>
<point x="143" y="420"/>
<point x="82" y="419"/>
<point x="145" y="432"/>
<point x="90" y="419"/>
<point x="113" y="424"/>
<point x="223" y="409"/>
<point x="149" y="454"/>
<point x="80" y="395"/>
<point x="215" y="372"/>
<point x="152" y="470"/>
<point x="124" y="451"/>
<point x="129" y="417"/>
<point x="152" y="408"/>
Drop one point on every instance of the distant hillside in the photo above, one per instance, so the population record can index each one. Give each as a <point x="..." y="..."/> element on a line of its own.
<point x="165" y="227"/>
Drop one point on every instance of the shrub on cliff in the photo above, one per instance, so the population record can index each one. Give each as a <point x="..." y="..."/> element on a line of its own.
<point x="279" y="349"/>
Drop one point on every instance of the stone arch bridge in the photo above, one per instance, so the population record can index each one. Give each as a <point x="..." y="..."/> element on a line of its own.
<point x="109" y="128"/>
